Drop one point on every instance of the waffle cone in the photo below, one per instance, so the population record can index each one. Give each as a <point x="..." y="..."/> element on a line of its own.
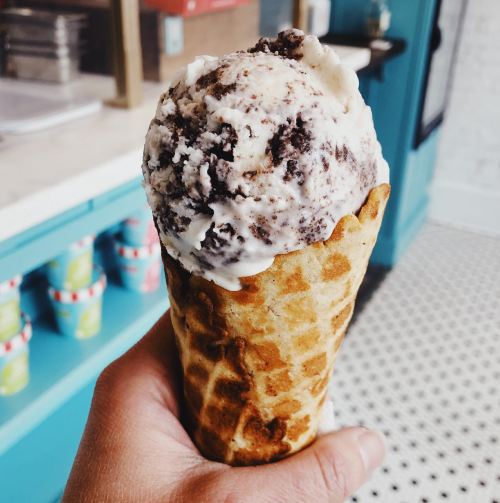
<point x="257" y="362"/>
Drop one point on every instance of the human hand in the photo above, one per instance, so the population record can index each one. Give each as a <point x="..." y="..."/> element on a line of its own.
<point x="134" y="448"/>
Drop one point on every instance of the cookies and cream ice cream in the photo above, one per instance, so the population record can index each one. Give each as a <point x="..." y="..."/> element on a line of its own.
<point x="257" y="154"/>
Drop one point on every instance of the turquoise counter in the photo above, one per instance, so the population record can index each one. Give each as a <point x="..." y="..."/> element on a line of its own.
<point x="394" y="96"/>
<point x="41" y="426"/>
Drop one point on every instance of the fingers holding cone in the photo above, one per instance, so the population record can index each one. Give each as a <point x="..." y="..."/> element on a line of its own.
<point x="330" y="470"/>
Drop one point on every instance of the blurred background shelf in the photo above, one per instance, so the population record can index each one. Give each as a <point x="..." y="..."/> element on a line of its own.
<point x="60" y="367"/>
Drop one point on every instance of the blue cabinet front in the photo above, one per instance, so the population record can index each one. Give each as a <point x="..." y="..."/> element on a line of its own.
<point x="35" y="469"/>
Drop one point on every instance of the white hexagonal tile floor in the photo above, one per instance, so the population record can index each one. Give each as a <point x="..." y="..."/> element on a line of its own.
<point x="421" y="363"/>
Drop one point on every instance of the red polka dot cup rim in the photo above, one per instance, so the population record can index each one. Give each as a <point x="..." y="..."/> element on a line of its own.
<point x="7" y="286"/>
<point x="138" y="252"/>
<point x="86" y="241"/>
<point x="20" y="339"/>
<point x="96" y="289"/>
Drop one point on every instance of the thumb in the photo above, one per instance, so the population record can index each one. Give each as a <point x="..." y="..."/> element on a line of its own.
<point x="330" y="470"/>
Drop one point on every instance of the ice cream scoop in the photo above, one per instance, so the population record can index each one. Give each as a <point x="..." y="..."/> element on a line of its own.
<point x="268" y="189"/>
<point x="257" y="154"/>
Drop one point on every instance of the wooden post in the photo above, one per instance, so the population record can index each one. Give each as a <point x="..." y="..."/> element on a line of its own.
<point x="127" y="54"/>
<point x="301" y="14"/>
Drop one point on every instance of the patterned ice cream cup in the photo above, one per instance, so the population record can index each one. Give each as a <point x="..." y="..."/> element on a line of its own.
<point x="14" y="360"/>
<point x="140" y="267"/>
<point x="139" y="229"/>
<point x="78" y="313"/>
<point x="72" y="269"/>
<point x="10" y="312"/>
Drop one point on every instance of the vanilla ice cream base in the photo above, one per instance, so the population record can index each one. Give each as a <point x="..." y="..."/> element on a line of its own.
<point x="306" y="155"/>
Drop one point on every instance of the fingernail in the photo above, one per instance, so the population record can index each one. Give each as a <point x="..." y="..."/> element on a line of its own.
<point x="372" y="448"/>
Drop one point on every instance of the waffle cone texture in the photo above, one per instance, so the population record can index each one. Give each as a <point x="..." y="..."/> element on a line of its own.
<point x="257" y="362"/>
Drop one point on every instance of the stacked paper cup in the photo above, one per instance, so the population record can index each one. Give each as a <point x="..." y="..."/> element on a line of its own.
<point x="139" y="253"/>
<point x="72" y="269"/>
<point x="76" y="287"/>
<point x="15" y="333"/>
<point x="10" y="311"/>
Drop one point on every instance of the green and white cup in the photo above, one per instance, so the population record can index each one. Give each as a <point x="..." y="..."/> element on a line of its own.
<point x="78" y="313"/>
<point x="10" y="311"/>
<point x="14" y="360"/>
<point x="72" y="269"/>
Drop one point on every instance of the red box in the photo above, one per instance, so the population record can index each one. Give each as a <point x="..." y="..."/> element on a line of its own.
<point x="191" y="7"/>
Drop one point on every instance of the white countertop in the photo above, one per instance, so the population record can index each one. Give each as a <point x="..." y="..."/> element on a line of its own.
<point x="46" y="173"/>
<point x="355" y="57"/>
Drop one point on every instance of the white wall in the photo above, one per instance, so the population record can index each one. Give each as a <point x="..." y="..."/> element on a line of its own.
<point x="466" y="187"/>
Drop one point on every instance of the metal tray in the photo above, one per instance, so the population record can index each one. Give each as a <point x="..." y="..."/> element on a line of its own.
<point x="43" y="68"/>
<point x="28" y="25"/>
<point x="48" y="50"/>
